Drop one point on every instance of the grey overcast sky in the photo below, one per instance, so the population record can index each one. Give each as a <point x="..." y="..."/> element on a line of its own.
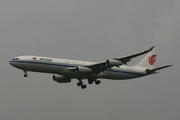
<point x="91" y="30"/>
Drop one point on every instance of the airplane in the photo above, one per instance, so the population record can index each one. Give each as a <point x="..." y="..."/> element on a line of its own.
<point x="65" y="70"/>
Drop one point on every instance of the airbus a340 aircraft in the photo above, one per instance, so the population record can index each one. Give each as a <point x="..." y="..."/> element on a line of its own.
<point x="66" y="70"/>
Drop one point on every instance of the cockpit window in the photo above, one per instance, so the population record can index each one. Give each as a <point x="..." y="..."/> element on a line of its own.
<point x="15" y="58"/>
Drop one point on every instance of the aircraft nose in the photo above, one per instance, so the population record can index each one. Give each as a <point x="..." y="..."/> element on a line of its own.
<point x="14" y="62"/>
<point x="10" y="62"/>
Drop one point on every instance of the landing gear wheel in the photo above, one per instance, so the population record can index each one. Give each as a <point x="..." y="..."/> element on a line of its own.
<point x="25" y="75"/>
<point x="83" y="86"/>
<point x="25" y="71"/>
<point x="80" y="83"/>
<point x="97" y="82"/>
<point x="90" y="81"/>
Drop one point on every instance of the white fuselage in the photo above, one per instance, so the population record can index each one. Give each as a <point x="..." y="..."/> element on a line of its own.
<point x="64" y="66"/>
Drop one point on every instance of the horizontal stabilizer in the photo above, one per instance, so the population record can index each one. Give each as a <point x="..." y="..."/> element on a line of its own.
<point x="156" y="69"/>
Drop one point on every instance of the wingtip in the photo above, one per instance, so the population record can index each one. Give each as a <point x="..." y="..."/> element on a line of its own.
<point x="150" y="49"/>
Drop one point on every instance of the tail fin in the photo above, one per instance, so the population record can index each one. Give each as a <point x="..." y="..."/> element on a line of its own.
<point x="149" y="60"/>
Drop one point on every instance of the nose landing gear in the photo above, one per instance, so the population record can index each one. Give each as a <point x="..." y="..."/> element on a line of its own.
<point x="25" y="75"/>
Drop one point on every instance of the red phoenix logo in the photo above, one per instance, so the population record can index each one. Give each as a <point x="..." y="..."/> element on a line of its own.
<point x="152" y="59"/>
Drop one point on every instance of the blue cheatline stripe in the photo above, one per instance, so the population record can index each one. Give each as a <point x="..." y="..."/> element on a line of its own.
<point x="120" y="71"/>
<point x="67" y="65"/>
<point x="42" y="63"/>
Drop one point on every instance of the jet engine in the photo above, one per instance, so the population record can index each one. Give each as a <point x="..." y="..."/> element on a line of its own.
<point x="112" y="62"/>
<point x="82" y="69"/>
<point x="61" y="79"/>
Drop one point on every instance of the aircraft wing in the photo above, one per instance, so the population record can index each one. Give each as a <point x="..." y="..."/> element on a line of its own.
<point x="99" y="67"/>
<point x="128" y="58"/>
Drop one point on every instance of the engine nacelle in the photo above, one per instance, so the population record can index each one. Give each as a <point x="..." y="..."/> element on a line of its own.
<point x="61" y="79"/>
<point x="112" y="62"/>
<point x="82" y="69"/>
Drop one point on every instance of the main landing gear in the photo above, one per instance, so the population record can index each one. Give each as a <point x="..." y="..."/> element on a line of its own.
<point x="97" y="82"/>
<point x="80" y="83"/>
<point x="90" y="81"/>
<point x="25" y="75"/>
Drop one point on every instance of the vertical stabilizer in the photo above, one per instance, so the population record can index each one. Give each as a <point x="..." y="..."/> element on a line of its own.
<point x="149" y="60"/>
